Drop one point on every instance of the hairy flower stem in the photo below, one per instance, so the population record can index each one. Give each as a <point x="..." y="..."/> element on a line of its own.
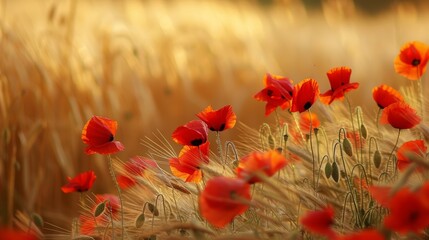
<point x="311" y="148"/>
<point x="113" y="175"/>
<point x="393" y="150"/>
<point x="279" y="127"/>
<point x="353" y="128"/>
<point x="219" y="148"/>
<point x="377" y="121"/>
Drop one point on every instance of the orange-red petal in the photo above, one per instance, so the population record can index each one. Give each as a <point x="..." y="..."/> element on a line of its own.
<point x="385" y="95"/>
<point x="267" y="163"/>
<point x="366" y="234"/>
<point x="408" y="149"/>
<point x="80" y="183"/>
<point x="218" y="120"/>
<point x="223" y="199"/>
<point x="305" y="93"/>
<point x="412" y="60"/>
<point x="320" y="222"/>
<point x="193" y="133"/>
<point x="400" y="115"/>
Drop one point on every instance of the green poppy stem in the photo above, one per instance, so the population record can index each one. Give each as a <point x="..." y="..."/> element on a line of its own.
<point x="219" y="148"/>
<point x="113" y="175"/>
<point x="311" y="148"/>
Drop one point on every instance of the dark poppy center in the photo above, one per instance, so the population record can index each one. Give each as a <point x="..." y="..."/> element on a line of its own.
<point x="415" y="62"/>
<point x="196" y="142"/>
<point x="111" y="137"/>
<point x="269" y="92"/>
<point x="380" y="106"/>
<point x="222" y="127"/>
<point x="307" y="105"/>
<point x="414" y="216"/>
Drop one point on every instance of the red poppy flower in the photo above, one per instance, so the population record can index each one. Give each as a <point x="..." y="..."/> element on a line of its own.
<point x="385" y="95"/>
<point x="407" y="213"/>
<point x="99" y="134"/>
<point x="277" y="93"/>
<point x="81" y="183"/>
<point x="356" y="139"/>
<point x="305" y="94"/>
<point x="416" y="148"/>
<point x="304" y="122"/>
<point x="412" y="60"/>
<point x="380" y="194"/>
<point x="267" y="162"/>
<point x="400" y="115"/>
<point x="320" y="222"/>
<point x="339" y="79"/>
<point x="7" y="233"/>
<point x="136" y="166"/>
<point x="223" y="199"/>
<point x="363" y="235"/>
<point x="187" y="165"/>
<point x="193" y="133"/>
<point x="88" y="224"/>
<point x="218" y="120"/>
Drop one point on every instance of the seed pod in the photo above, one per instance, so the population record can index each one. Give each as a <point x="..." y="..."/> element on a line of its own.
<point x="99" y="209"/>
<point x="335" y="172"/>
<point x="140" y="220"/>
<point x="271" y="142"/>
<point x="38" y="220"/>
<point x="363" y="131"/>
<point x="152" y="208"/>
<point x="347" y="147"/>
<point x="377" y="158"/>
<point x="285" y="137"/>
<point x="328" y="169"/>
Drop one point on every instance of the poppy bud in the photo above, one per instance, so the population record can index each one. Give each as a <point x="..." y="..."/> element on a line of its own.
<point x="99" y="209"/>
<point x="328" y="170"/>
<point x="377" y="158"/>
<point x="347" y="147"/>
<point x="364" y="131"/>
<point x="140" y="220"/>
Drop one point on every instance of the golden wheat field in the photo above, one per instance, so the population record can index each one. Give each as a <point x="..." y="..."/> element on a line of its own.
<point x="151" y="66"/>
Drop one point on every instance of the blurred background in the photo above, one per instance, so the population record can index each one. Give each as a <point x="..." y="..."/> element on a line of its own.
<point x="152" y="65"/>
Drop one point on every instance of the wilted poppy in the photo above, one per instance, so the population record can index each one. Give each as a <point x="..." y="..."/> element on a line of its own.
<point x="193" y="133"/>
<point x="81" y="183"/>
<point x="400" y="115"/>
<point x="304" y="122"/>
<point x="99" y="134"/>
<point x="412" y="60"/>
<point x="366" y="234"/>
<point x="8" y="233"/>
<point x="223" y="199"/>
<point x="416" y="148"/>
<point x="277" y="93"/>
<point x="187" y="165"/>
<point x="407" y="214"/>
<point x="320" y="222"/>
<point x="267" y="163"/>
<point x="385" y="95"/>
<point x="339" y="79"/>
<point x="305" y="93"/>
<point x="218" y="120"/>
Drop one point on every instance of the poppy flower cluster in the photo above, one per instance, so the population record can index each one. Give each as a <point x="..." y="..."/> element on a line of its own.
<point x="408" y="210"/>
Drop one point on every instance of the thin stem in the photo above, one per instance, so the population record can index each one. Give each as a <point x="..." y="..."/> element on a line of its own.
<point x="377" y="121"/>
<point x="279" y="127"/>
<point x="113" y="175"/>
<point x="219" y="148"/>
<point x="391" y="153"/>
<point x="353" y="127"/>
<point x="312" y="152"/>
